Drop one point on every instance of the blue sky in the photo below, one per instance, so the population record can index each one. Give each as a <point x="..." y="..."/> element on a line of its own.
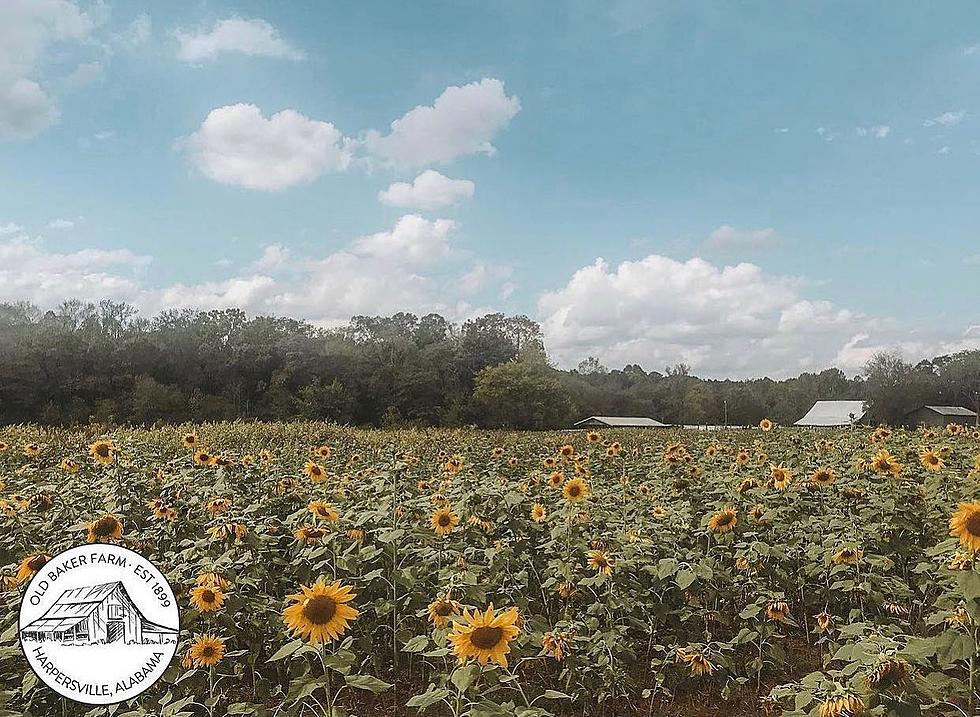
<point x="752" y="188"/>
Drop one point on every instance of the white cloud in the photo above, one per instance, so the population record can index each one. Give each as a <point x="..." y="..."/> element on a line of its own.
<point x="234" y="35"/>
<point x="85" y="74"/>
<point x="138" y="31"/>
<point x="413" y="239"/>
<point x="237" y="145"/>
<point x="728" y="238"/>
<point x="946" y="119"/>
<point x="482" y="274"/>
<point x="430" y="190"/>
<point x="10" y="228"/>
<point x="825" y="134"/>
<point x="26" y="110"/>
<point x="61" y="224"/>
<point x="463" y="120"/>
<point x="878" y="131"/>
<point x="273" y="257"/>
<point x="943" y="150"/>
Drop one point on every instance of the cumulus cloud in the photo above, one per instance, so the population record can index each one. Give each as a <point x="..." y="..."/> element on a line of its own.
<point x="61" y="224"/>
<point x="728" y="238"/>
<point x="946" y="119"/>
<point x="462" y="120"/>
<point x="237" y="145"/>
<point x="412" y="239"/>
<point x="234" y="35"/>
<point x="878" y="131"/>
<point x="429" y="190"/>
<point x="26" y="110"/>
<point x="10" y="228"/>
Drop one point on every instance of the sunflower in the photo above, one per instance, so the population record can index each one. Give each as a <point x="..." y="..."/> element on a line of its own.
<point x="555" y="644"/>
<point x="765" y="424"/>
<point x="780" y="476"/>
<point x="444" y="520"/>
<point x="538" y="513"/>
<point x="325" y="452"/>
<point x="885" y="462"/>
<point x="4" y="446"/>
<point x="512" y="462"/>
<point x="30" y="565"/>
<point x="309" y="534"/>
<point x="32" y="450"/>
<point x="108" y="527"/>
<point x="890" y="673"/>
<point x="659" y="512"/>
<point x="189" y="440"/>
<point x="724" y="521"/>
<point x="576" y="490"/>
<point x="556" y="479"/>
<point x="742" y="458"/>
<point x="965" y="525"/>
<point x="265" y="455"/>
<point x="211" y="579"/>
<point x="323" y="511"/>
<point x="600" y="562"/>
<point x="207" y="650"/>
<point x="441" y="610"/>
<point x="566" y="451"/>
<point x="203" y="458"/>
<point x="824" y="621"/>
<point x="485" y="637"/>
<point x="696" y="661"/>
<point x="218" y="506"/>
<point x="356" y="534"/>
<point x="846" y="556"/>
<point x="207" y="598"/>
<point x="930" y="460"/>
<point x="841" y="706"/>
<point x="69" y="465"/>
<point x="497" y="452"/>
<point x="593" y="437"/>
<point x="103" y="452"/>
<point x="777" y="610"/>
<point x="320" y="612"/>
<point x="315" y="472"/>
<point x="823" y="477"/>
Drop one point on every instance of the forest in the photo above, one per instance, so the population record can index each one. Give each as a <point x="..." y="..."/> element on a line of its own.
<point x="104" y="362"/>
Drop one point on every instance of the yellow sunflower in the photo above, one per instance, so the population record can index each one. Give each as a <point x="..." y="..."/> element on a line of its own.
<point x="69" y="466"/>
<point x="556" y="479"/>
<point x="212" y="579"/>
<point x="441" y="610"/>
<point x="885" y="462"/>
<point x="108" y="527"/>
<point x="846" y="556"/>
<point x="207" y="598"/>
<point x="323" y="511"/>
<point x="32" y="450"/>
<point x="600" y="562"/>
<point x="103" y="452"/>
<point x="593" y="437"/>
<point x="965" y="525"/>
<point x="724" y="521"/>
<point x="315" y="472"/>
<point x="765" y="424"/>
<point x="189" y="440"/>
<point x="485" y="637"/>
<point x="696" y="661"/>
<point x="576" y="490"/>
<point x="310" y="534"/>
<point x="538" y="513"/>
<point x="780" y="476"/>
<point x="823" y="477"/>
<point x="207" y="650"/>
<point x="320" y="612"/>
<point x="444" y="520"/>
<point x="30" y="565"/>
<point x="203" y="458"/>
<point x="325" y="452"/>
<point x="930" y="460"/>
<point x="841" y="706"/>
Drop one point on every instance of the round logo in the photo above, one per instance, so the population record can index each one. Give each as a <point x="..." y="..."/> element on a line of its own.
<point x="99" y="624"/>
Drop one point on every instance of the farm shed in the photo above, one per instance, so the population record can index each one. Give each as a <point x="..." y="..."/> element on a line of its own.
<point x="619" y="422"/>
<point x="97" y="614"/>
<point x="940" y="416"/>
<point x="833" y="413"/>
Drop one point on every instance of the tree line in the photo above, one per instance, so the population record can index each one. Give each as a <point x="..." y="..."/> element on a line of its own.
<point x="104" y="362"/>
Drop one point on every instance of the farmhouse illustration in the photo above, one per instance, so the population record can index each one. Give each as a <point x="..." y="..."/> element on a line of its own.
<point x="97" y="614"/>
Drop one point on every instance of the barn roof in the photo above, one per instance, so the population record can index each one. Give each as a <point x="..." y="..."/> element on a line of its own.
<point x="951" y="410"/>
<point x="624" y="421"/>
<point x="73" y="606"/>
<point x="833" y="413"/>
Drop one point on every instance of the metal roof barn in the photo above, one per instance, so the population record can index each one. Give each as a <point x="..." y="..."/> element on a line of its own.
<point x="833" y="413"/>
<point x="940" y="416"/>
<point x="619" y="422"/>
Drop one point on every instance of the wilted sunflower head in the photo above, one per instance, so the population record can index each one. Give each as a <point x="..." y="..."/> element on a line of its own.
<point x="32" y="450"/>
<point x="841" y="706"/>
<point x="30" y="566"/>
<point x="847" y="556"/>
<point x="309" y="534"/>
<point x="823" y="477"/>
<point x="441" y="610"/>
<point x="106" y="528"/>
<point x="102" y="451"/>
<point x="323" y="511"/>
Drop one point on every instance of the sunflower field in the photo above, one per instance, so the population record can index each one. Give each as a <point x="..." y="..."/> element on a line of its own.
<point x="330" y="571"/>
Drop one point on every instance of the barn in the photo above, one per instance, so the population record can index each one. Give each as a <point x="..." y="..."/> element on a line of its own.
<point x="97" y="614"/>
<point x="619" y="422"/>
<point x="833" y="413"/>
<point x="940" y="416"/>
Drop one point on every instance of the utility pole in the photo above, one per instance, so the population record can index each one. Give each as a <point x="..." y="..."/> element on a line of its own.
<point x="726" y="413"/>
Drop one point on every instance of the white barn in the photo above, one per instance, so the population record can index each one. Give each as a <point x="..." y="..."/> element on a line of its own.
<point x="619" y="422"/>
<point x="834" y="413"/>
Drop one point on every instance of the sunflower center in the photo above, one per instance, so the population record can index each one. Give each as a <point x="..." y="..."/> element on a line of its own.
<point x="724" y="519"/>
<point x="105" y="526"/>
<point x="444" y="609"/>
<point x="102" y="449"/>
<point x="444" y="520"/>
<point x="486" y="638"/>
<point x="574" y="491"/>
<point x="207" y="652"/>
<point x="973" y="523"/>
<point x="320" y="609"/>
<point x="207" y="596"/>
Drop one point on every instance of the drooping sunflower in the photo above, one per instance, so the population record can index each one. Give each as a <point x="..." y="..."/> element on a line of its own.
<point x="310" y="534"/>
<point x="777" y="610"/>
<point x="538" y="513"/>
<point x="189" y="440"/>
<point x="576" y="490"/>
<point x="765" y="424"/>
<point x="108" y="527"/>
<point x="887" y="674"/>
<point x="965" y="525"/>
<point x="30" y="565"/>
<point x="841" y="706"/>
<point x="724" y="521"/>
<point x="556" y="643"/>
<point x="846" y="556"/>
<point x="696" y="661"/>
<point x="212" y="579"/>
<point x="315" y="472"/>
<point x="823" y="477"/>
<point x="218" y="506"/>
<point x="207" y="598"/>
<point x="444" y="520"/>
<point x="324" y="511"/>
<point x="885" y="462"/>
<point x="485" y="637"/>
<point x="441" y="609"/>
<point x="600" y="562"/>
<point x="103" y="452"/>
<point x="931" y="460"/>
<point x="320" y="612"/>
<point x="207" y="650"/>
<point x="824" y="621"/>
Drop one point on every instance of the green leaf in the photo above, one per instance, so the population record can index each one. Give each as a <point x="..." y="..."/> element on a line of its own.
<point x="429" y="698"/>
<point x="367" y="682"/>
<point x="555" y="695"/>
<point x="463" y="677"/>
<point x="416" y="644"/>
<point x="286" y="650"/>
<point x="685" y="578"/>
